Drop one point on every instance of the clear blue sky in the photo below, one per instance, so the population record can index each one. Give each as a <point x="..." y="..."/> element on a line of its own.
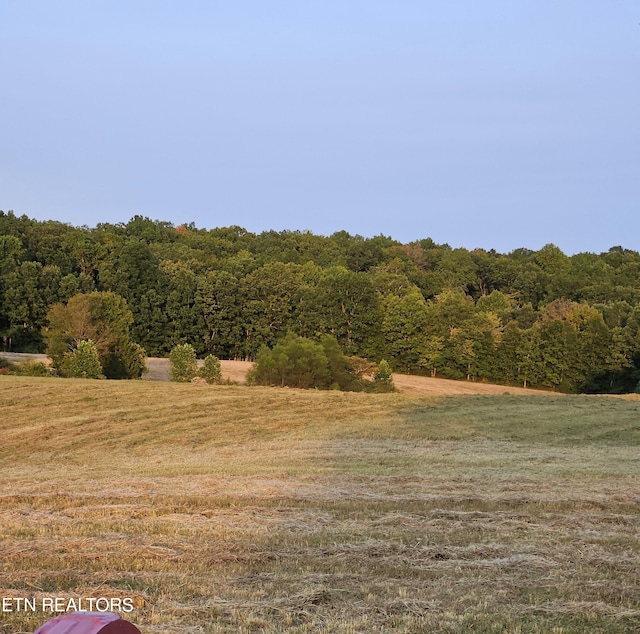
<point x="495" y="124"/>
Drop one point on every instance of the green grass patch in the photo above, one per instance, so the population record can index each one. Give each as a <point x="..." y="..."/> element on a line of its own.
<point x="562" y="420"/>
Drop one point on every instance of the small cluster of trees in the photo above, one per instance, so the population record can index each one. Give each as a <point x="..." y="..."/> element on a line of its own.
<point x="565" y="345"/>
<point x="303" y="363"/>
<point x="184" y="365"/>
<point x="89" y="337"/>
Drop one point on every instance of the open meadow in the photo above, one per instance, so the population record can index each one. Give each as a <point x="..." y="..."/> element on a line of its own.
<point x="235" y="509"/>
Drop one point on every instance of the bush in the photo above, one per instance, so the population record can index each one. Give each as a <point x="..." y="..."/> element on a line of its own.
<point x="341" y="370"/>
<point x="6" y="366"/>
<point x="184" y="366"/>
<point x="294" y="362"/>
<point x="134" y="360"/>
<point x="362" y="368"/>
<point x="211" y="371"/>
<point x="83" y="362"/>
<point x="303" y="363"/>
<point x="33" y="368"/>
<point x="382" y="379"/>
<point x="125" y="363"/>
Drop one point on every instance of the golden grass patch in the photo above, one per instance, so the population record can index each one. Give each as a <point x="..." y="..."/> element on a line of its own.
<point x="234" y="509"/>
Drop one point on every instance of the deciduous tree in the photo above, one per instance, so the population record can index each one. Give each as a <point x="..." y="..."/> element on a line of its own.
<point x="83" y="362"/>
<point x="103" y="318"/>
<point x="184" y="365"/>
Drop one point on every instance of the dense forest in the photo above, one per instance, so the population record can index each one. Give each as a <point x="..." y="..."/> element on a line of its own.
<point x="534" y="318"/>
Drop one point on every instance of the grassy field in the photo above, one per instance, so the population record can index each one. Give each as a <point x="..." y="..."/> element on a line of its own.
<point x="235" y="509"/>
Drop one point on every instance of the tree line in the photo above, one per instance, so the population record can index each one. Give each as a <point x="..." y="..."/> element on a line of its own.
<point x="536" y="318"/>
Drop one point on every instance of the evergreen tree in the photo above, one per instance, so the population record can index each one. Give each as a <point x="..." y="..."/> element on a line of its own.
<point x="383" y="379"/>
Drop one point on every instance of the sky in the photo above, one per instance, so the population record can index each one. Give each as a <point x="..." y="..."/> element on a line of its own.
<point x="494" y="124"/>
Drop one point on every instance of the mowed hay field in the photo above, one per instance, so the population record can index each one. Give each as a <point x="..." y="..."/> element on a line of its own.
<point x="236" y="509"/>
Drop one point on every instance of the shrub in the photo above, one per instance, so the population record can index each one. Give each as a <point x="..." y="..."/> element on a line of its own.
<point x="304" y="363"/>
<point x="125" y="363"/>
<point x="294" y="362"/>
<point x="183" y="363"/>
<point x="382" y="379"/>
<point x="6" y="366"/>
<point x="211" y="371"/>
<point x="134" y="360"/>
<point x="362" y="368"/>
<point x="342" y="373"/>
<point x="83" y="362"/>
<point x="33" y="368"/>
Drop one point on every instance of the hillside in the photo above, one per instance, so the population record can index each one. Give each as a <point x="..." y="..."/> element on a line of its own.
<point x="228" y="509"/>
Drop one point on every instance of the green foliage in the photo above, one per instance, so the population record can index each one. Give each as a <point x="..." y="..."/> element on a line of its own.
<point x="342" y="303"/>
<point x="362" y="368"/>
<point x="26" y="290"/>
<point x="293" y="362"/>
<point x="383" y="379"/>
<point x="103" y="318"/>
<point x="183" y="309"/>
<point x="270" y="296"/>
<point x="342" y="375"/>
<point x="460" y="337"/>
<point x="132" y="270"/>
<point x="210" y="371"/>
<point x="134" y="360"/>
<point x="303" y="363"/>
<point x="403" y="326"/>
<point x="535" y="318"/>
<point x="217" y="296"/>
<point x="127" y="362"/>
<point x="498" y="304"/>
<point x="83" y="362"/>
<point x="6" y="366"/>
<point x="184" y="366"/>
<point x="33" y="368"/>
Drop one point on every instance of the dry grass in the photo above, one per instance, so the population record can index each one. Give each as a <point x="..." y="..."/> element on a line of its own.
<point x="429" y="386"/>
<point x="234" y="509"/>
<point x="233" y="371"/>
<point x="236" y="372"/>
<point x="159" y="369"/>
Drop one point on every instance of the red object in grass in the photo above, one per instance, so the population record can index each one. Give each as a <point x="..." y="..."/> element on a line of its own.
<point x="88" y="623"/>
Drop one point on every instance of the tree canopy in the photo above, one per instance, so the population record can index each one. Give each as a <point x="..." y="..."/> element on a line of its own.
<point x="539" y="318"/>
<point x="102" y="318"/>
